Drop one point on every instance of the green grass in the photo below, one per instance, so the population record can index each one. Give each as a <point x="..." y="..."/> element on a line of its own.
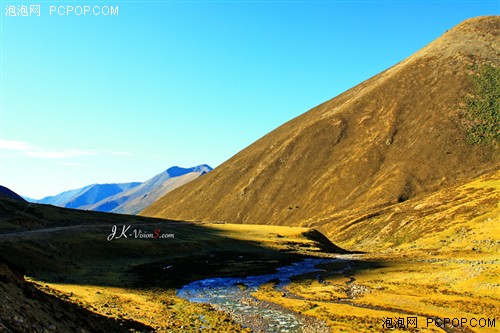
<point x="482" y="107"/>
<point x="9" y="227"/>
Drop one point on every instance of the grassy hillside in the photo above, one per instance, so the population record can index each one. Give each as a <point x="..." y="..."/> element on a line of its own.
<point x="434" y="256"/>
<point x="25" y="308"/>
<point x="393" y="137"/>
<point x="462" y="216"/>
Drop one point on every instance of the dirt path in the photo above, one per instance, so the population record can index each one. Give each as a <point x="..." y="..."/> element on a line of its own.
<point x="23" y="234"/>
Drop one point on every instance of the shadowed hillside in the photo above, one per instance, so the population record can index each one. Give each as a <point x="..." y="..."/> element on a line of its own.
<point x="396" y="136"/>
<point x="6" y="193"/>
<point x="24" y="308"/>
<point x="63" y="244"/>
<point x="80" y="280"/>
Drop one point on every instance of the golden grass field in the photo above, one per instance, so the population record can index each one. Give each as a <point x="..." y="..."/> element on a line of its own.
<point x="440" y="259"/>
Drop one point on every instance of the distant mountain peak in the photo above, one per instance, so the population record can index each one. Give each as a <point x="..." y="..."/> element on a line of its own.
<point x="129" y="198"/>
<point x="176" y="171"/>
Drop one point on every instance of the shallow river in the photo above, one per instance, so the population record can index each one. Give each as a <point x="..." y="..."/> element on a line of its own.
<point x="233" y="295"/>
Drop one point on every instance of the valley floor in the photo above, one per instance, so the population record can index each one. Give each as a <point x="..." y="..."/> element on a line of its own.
<point x="361" y="293"/>
<point x="449" y="273"/>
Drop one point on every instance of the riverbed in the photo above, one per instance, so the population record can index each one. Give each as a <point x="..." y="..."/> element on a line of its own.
<point x="233" y="295"/>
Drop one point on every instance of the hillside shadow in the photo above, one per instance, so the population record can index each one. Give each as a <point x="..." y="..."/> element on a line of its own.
<point x="19" y="295"/>
<point x="86" y="257"/>
<point x="78" y="251"/>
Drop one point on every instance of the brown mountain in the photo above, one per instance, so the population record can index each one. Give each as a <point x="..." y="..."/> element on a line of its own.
<point x="393" y="137"/>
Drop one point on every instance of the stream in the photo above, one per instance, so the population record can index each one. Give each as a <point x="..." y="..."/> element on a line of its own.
<point x="233" y="295"/>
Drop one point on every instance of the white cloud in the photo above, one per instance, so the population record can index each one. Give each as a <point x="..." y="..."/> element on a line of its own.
<point x="73" y="164"/>
<point x="43" y="154"/>
<point x="57" y="154"/>
<point x="121" y="153"/>
<point x="17" y="145"/>
<point x="29" y="150"/>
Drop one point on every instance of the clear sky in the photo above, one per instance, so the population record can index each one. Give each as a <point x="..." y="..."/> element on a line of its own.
<point x="117" y="98"/>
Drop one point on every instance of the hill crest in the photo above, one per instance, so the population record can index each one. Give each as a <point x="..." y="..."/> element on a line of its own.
<point x="393" y="137"/>
<point x="8" y="194"/>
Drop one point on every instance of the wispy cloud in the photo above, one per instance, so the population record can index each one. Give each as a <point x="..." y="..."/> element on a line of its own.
<point x="74" y="164"/>
<point x="30" y="150"/>
<point x="62" y="154"/>
<point x="16" y="145"/>
<point x="121" y="153"/>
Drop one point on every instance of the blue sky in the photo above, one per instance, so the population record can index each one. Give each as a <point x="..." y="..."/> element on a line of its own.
<point x="116" y="98"/>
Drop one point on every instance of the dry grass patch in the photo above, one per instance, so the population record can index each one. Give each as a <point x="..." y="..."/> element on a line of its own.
<point x="160" y="309"/>
<point x="409" y="284"/>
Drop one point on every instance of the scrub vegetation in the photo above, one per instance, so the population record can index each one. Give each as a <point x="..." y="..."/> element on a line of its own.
<point x="482" y="107"/>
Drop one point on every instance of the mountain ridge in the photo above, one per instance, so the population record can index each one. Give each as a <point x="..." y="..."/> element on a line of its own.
<point x="137" y="198"/>
<point x="125" y="198"/>
<point x="7" y="193"/>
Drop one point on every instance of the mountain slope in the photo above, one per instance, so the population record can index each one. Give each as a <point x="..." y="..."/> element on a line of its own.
<point x="96" y="193"/>
<point x="396" y="136"/>
<point x="19" y="295"/>
<point x="60" y="199"/>
<point x="138" y="198"/>
<point x="85" y="195"/>
<point x="6" y="193"/>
